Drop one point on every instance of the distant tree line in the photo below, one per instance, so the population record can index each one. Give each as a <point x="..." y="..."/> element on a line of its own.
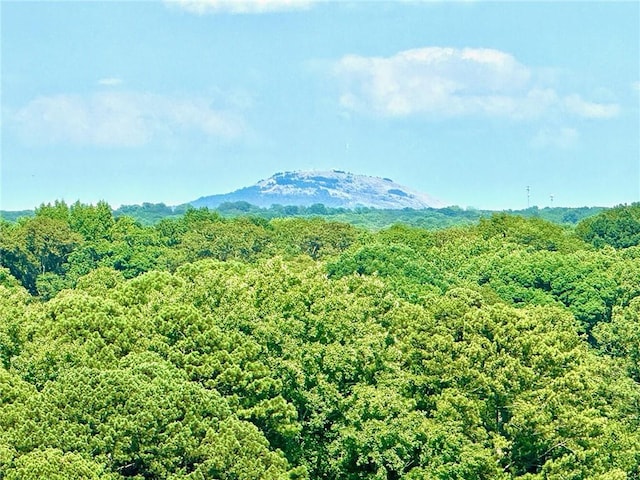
<point x="370" y="218"/>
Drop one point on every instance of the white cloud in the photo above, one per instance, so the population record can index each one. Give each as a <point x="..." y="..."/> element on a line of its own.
<point x="451" y="82"/>
<point x="202" y="7"/>
<point x="120" y="119"/>
<point x="578" y="106"/>
<point x="110" y="82"/>
<point x="564" y="137"/>
<point x="434" y="80"/>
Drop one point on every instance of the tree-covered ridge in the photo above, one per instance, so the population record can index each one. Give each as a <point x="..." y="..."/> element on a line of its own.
<point x="370" y="218"/>
<point x="206" y="347"/>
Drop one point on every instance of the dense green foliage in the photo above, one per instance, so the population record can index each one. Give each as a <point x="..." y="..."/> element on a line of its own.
<point x="206" y="347"/>
<point x="618" y="227"/>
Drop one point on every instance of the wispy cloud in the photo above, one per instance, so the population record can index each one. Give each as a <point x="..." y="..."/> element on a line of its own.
<point x="202" y="7"/>
<point x="120" y="119"/>
<point x="450" y="82"/>
<point x="110" y="82"/>
<point x="578" y="106"/>
<point x="564" y="137"/>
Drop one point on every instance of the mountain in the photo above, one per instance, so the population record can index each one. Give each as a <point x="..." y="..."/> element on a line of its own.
<point x="333" y="188"/>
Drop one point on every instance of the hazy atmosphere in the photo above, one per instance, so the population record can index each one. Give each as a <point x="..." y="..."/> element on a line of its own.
<point x="470" y="102"/>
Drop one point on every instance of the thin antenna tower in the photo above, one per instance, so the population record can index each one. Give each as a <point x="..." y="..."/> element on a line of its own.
<point x="528" y="196"/>
<point x="551" y="198"/>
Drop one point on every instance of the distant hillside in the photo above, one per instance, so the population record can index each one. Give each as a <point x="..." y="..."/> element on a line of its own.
<point x="332" y="188"/>
<point x="369" y="218"/>
<point x="13" y="215"/>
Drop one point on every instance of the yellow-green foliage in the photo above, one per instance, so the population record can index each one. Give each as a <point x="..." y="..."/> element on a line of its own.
<point x="209" y="348"/>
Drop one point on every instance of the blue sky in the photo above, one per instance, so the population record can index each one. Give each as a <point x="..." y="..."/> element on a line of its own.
<point x="471" y="102"/>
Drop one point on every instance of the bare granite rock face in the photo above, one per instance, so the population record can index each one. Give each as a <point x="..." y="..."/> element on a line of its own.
<point x="333" y="188"/>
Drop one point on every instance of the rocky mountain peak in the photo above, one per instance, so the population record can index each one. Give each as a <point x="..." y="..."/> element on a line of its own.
<point x="333" y="188"/>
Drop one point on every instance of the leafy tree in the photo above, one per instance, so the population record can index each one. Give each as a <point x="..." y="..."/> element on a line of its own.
<point x="14" y="302"/>
<point x="225" y="240"/>
<point x="37" y="246"/>
<point x="534" y="233"/>
<point x="59" y="210"/>
<point x="314" y="237"/>
<point x="618" y="227"/>
<point x="620" y="338"/>
<point x="237" y="449"/>
<point x="54" y="464"/>
<point x="133" y="249"/>
<point x="92" y="222"/>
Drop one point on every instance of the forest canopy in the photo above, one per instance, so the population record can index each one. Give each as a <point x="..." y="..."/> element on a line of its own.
<point x="205" y="346"/>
